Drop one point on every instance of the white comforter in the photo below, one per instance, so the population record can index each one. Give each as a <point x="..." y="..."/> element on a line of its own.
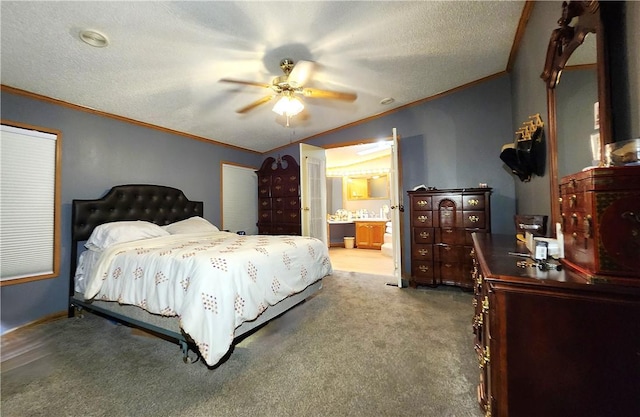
<point x="213" y="282"/>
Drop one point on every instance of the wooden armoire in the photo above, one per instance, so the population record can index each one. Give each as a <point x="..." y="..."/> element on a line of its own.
<point x="279" y="197"/>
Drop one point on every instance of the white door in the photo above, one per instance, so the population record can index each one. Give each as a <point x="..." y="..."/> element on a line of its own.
<point x="396" y="209"/>
<point x="313" y="191"/>
<point x="239" y="207"/>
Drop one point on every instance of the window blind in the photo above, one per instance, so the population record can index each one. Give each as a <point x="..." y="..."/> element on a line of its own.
<point x="239" y="199"/>
<point x="27" y="202"/>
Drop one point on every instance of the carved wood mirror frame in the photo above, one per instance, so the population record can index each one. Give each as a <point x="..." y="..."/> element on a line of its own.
<point x="578" y="19"/>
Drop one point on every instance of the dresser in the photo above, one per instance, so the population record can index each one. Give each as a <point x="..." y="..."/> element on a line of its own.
<point x="552" y="343"/>
<point x="600" y="216"/>
<point x="442" y="222"/>
<point x="279" y="197"/>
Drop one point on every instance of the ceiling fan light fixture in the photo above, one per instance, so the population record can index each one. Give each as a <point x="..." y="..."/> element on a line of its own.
<point x="288" y="106"/>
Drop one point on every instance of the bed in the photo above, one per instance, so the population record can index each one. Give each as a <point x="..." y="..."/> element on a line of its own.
<point x="143" y="255"/>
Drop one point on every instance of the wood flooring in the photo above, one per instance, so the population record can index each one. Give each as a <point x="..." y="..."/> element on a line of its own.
<point x="369" y="261"/>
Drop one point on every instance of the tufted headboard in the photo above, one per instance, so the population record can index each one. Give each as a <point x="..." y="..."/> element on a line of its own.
<point x="154" y="203"/>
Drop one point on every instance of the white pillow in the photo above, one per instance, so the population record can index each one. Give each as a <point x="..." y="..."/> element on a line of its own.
<point x="108" y="234"/>
<point x="191" y="225"/>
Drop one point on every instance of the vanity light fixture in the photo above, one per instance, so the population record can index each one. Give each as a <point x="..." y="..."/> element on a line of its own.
<point x="93" y="38"/>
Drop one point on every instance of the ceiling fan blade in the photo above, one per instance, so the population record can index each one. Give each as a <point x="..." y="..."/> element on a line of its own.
<point x="255" y="104"/>
<point x="256" y="84"/>
<point x="336" y="95"/>
<point x="300" y="73"/>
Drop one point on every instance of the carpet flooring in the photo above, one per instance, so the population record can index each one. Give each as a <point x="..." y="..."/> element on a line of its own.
<point x="357" y="348"/>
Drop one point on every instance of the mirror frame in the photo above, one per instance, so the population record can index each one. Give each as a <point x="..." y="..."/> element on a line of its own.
<point x="564" y="41"/>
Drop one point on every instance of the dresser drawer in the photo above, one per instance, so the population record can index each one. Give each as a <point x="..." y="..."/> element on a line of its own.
<point x="474" y="219"/>
<point x="422" y="271"/>
<point x="286" y="203"/>
<point x="265" y="216"/>
<point x="423" y="235"/>
<point x="473" y="202"/>
<point x="422" y="252"/>
<point x="421" y="203"/>
<point x="451" y="272"/>
<point x="422" y="219"/>
<point x="448" y="253"/>
<point x="264" y="204"/>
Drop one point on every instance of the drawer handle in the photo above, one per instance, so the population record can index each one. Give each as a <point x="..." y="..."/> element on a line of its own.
<point x="448" y="265"/>
<point x="574" y="219"/>
<point x="422" y="203"/>
<point x="423" y="252"/>
<point x="423" y="219"/>
<point x="587" y="226"/>
<point x="485" y="304"/>
<point x="447" y="248"/>
<point x="474" y="219"/>
<point x="448" y="231"/>
<point x="573" y="200"/>
<point x="293" y="178"/>
<point x="278" y="187"/>
<point x="423" y="268"/>
<point x="474" y="202"/>
<point x="293" y="203"/>
<point x="424" y="235"/>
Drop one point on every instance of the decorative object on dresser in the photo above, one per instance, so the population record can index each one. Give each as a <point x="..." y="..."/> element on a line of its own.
<point x="279" y="197"/>
<point x="441" y="225"/>
<point x="600" y="218"/>
<point x="550" y="343"/>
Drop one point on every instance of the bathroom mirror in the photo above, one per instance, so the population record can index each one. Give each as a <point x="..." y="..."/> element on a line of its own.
<point x="577" y="45"/>
<point x="367" y="187"/>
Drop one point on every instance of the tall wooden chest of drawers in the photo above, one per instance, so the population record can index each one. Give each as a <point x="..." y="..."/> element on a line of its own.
<point x="600" y="215"/>
<point x="279" y="197"/>
<point x="441" y="225"/>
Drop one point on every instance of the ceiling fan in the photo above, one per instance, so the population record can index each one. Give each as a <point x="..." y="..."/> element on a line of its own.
<point x="288" y="86"/>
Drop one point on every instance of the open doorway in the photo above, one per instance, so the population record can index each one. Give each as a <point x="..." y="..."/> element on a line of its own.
<point x="358" y="201"/>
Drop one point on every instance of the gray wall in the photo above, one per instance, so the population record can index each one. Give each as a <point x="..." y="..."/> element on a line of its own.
<point x="530" y="97"/>
<point x="451" y="142"/>
<point x="529" y="92"/>
<point x="97" y="153"/>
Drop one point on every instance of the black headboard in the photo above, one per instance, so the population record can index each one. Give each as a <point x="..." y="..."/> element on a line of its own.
<point x="154" y="203"/>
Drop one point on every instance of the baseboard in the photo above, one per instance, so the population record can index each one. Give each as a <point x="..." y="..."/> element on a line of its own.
<point x="46" y="319"/>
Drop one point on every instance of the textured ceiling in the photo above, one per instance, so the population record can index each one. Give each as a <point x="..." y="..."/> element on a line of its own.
<point x="165" y="59"/>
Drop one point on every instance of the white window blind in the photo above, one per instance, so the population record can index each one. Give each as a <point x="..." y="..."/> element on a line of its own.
<point x="27" y="203"/>
<point x="239" y="199"/>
